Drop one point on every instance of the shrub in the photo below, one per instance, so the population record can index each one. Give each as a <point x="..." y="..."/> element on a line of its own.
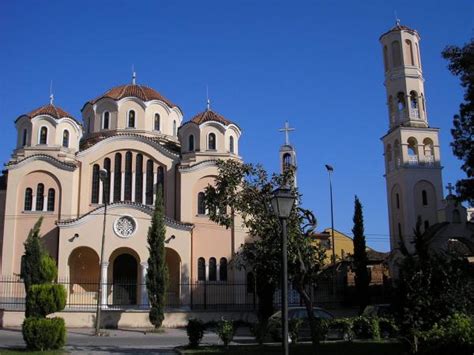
<point x="48" y="268"/>
<point x="453" y="335"/>
<point x="44" y="333"/>
<point x="45" y="299"/>
<point x="294" y="326"/>
<point x="366" y="328"/>
<point x="320" y="329"/>
<point x="260" y="331"/>
<point x="340" y="328"/>
<point x="225" y="331"/>
<point x="195" y="331"/>
<point x="387" y="328"/>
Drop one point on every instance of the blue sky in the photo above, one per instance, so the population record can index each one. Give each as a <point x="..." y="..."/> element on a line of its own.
<point x="315" y="63"/>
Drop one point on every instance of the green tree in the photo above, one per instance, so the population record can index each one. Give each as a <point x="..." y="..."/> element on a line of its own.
<point x="461" y="64"/>
<point x="30" y="272"/>
<point x="246" y="190"/>
<point x="360" y="260"/>
<point x="157" y="273"/>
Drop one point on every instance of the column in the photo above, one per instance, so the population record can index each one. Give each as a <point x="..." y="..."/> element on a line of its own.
<point x="218" y="269"/>
<point x="144" y="189"/>
<point x="45" y="203"/>
<point x="101" y="192"/>
<point x="207" y="271"/>
<point x="111" y="187"/>
<point x="144" y="291"/>
<point x="134" y="183"/>
<point x="103" y="270"/>
<point x="33" y="203"/>
<point x="155" y="186"/>
<point x="122" y="187"/>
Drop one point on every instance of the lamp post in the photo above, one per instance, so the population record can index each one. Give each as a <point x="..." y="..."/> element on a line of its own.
<point x="330" y="170"/>
<point x="103" y="175"/>
<point x="282" y="204"/>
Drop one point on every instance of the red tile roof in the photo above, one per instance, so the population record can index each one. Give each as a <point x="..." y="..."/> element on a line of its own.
<point x="210" y="115"/>
<point x="142" y="92"/>
<point x="49" y="109"/>
<point x="399" y="27"/>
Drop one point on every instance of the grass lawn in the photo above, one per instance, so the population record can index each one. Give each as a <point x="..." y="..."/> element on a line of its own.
<point x="24" y="351"/>
<point x="325" y="348"/>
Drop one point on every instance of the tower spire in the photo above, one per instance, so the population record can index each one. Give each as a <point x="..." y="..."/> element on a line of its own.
<point x="51" y="95"/>
<point x="287" y="129"/>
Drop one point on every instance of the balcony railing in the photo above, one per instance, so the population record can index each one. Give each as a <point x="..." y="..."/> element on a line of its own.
<point x="429" y="160"/>
<point x="412" y="160"/>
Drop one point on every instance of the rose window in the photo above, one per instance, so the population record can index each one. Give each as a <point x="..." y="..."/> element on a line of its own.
<point x="125" y="226"/>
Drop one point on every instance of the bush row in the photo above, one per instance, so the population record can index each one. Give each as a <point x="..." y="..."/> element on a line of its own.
<point x="225" y="329"/>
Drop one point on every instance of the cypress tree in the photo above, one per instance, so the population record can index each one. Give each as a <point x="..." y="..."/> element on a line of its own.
<point x="31" y="272"/>
<point x="360" y="262"/>
<point x="157" y="274"/>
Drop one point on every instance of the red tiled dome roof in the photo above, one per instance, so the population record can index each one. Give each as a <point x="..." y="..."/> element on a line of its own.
<point x="51" y="110"/>
<point x="142" y="92"/>
<point x="210" y="115"/>
<point x="399" y="27"/>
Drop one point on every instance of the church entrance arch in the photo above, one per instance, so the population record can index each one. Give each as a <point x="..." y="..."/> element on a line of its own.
<point x="124" y="279"/>
<point x="173" y="262"/>
<point x="83" y="275"/>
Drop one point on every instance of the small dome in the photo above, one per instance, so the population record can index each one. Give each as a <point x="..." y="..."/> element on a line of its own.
<point x="141" y="92"/>
<point x="51" y="110"/>
<point x="210" y="115"/>
<point x="398" y="27"/>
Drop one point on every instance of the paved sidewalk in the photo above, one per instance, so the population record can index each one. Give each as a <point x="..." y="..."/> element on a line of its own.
<point x="121" y="341"/>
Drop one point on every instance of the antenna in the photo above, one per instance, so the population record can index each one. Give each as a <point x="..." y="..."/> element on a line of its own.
<point x="208" y="100"/>
<point x="134" y="75"/>
<point x="51" y="95"/>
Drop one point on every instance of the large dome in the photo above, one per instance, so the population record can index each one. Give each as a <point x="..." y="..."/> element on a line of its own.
<point x="142" y="92"/>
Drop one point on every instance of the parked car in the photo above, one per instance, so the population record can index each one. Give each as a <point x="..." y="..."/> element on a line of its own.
<point x="378" y="310"/>
<point x="304" y="333"/>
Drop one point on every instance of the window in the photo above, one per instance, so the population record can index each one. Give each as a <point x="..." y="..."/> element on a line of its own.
<point x="43" y="138"/>
<point x="139" y="179"/>
<point x="414" y="104"/>
<point x="28" y="199"/>
<point x="201" y="203"/>
<point x="191" y="143"/>
<point x="157" y="122"/>
<point x="424" y="198"/>
<point x="174" y="128"/>
<point x="149" y="182"/>
<point x="39" y="197"/>
<point x="385" y="57"/>
<point x="211" y="145"/>
<point x="223" y="269"/>
<point x="398" y="200"/>
<point x="400" y="102"/>
<point x="118" y="177"/>
<point x="66" y="138"/>
<point x="25" y="136"/>
<point x="409" y="52"/>
<point x="286" y="161"/>
<point x="212" y="269"/>
<point x="412" y="149"/>
<point x="131" y="119"/>
<point x="95" y="183"/>
<point x="201" y="269"/>
<point x="160" y="178"/>
<point x="106" y="120"/>
<point x="231" y="144"/>
<point x="51" y="198"/>
<point x="107" y="181"/>
<point x="396" y="54"/>
<point x="128" y="177"/>
<point x="250" y="283"/>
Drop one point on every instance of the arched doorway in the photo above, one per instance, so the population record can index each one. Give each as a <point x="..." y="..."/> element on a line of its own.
<point x="173" y="262"/>
<point x="125" y="270"/>
<point x="83" y="276"/>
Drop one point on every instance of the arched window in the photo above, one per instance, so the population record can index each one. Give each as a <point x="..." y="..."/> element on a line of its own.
<point x="250" y="283"/>
<point x="43" y="138"/>
<point x="424" y="198"/>
<point x="106" y="120"/>
<point x="107" y="181"/>
<point x="174" y="128"/>
<point x="160" y="179"/>
<point x="287" y="161"/>
<point x="157" y="122"/>
<point x="223" y="269"/>
<point x="398" y="200"/>
<point x="39" y="197"/>
<point x="409" y="52"/>
<point x="418" y="54"/>
<point x="25" y="136"/>
<point x="212" y="269"/>
<point x="231" y="144"/>
<point x="95" y="183"/>
<point x="201" y="269"/>
<point x="396" y="54"/>
<point x="456" y="216"/>
<point x="385" y="57"/>
<point x="28" y="199"/>
<point x="414" y="104"/>
<point x="201" y="203"/>
<point x="211" y="144"/>
<point x="66" y="138"/>
<point x="428" y="150"/>
<point x="149" y="182"/>
<point x="118" y="177"/>
<point x="131" y="119"/>
<point x="128" y="177"/>
<point x="139" y="179"/>
<point x="412" y="151"/>
<point x="191" y="143"/>
<point x="400" y="103"/>
<point x="51" y="198"/>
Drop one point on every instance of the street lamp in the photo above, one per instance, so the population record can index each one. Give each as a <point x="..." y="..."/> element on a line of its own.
<point x="282" y="204"/>
<point x="330" y="170"/>
<point x="103" y="175"/>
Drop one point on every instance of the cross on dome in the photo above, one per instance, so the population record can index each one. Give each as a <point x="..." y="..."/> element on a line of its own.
<point x="450" y="188"/>
<point x="51" y="95"/>
<point x="134" y="75"/>
<point x="287" y="129"/>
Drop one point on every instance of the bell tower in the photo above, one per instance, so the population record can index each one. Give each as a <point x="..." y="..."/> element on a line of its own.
<point x="288" y="152"/>
<point x="411" y="146"/>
